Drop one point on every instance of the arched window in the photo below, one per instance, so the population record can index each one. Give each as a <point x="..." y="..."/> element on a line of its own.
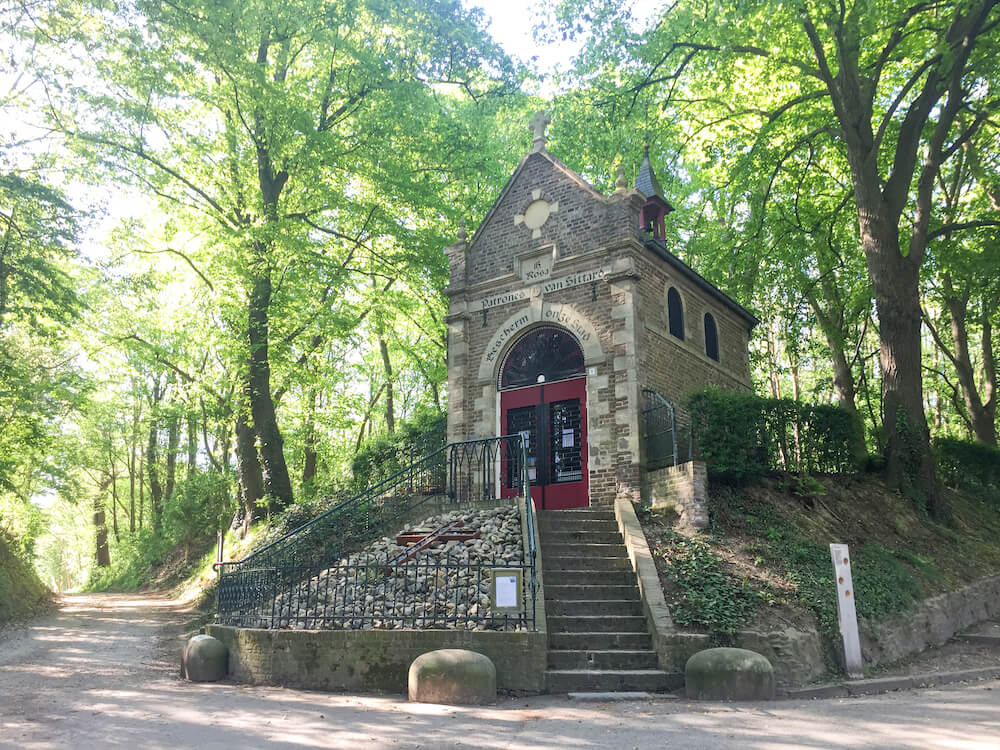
<point x="542" y="356"/>
<point x="675" y="313"/>
<point x="711" y="337"/>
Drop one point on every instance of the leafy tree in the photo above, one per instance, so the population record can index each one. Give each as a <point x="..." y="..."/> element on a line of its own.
<point x="893" y="89"/>
<point x="288" y="134"/>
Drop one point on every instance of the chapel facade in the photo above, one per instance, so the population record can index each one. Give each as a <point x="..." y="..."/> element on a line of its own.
<point x="565" y="308"/>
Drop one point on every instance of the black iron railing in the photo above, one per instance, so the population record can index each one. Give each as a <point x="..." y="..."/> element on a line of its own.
<point x="276" y="585"/>
<point x="659" y="430"/>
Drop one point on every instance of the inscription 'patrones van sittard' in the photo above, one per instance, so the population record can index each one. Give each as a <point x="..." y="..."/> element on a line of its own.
<point x="559" y="321"/>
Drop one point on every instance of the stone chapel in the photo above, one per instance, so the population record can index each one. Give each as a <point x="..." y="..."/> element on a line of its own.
<point x="566" y="307"/>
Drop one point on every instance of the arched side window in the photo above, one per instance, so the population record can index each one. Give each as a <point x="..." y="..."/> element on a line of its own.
<point x="542" y="356"/>
<point x="711" y="337"/>
<point x="675" y="313"/>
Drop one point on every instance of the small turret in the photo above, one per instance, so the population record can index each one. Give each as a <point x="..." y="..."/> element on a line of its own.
<point x="656" y="206"/>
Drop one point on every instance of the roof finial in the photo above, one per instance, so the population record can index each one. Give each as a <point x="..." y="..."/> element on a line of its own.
<point x="538" y="123"/>
<point x="621" y="184"/>
<point x="462" y="234"/>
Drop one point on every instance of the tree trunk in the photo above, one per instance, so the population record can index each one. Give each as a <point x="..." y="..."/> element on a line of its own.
<point x="251" y="481"/>
<point x="390" y="407"/>
<point x="131" y="487"/>
<point x="309" y="465"/>
<point x="909" y="461"/>
<point x="102" y="553"/>
<point x="155" y="489"/>
<point x="277" y="484"/>
<point x="142" y="486"/>
<point x="173" y="440"/>
<point x="982" y="411"/>
<point x="192" y="444"/>
<point x="114" y="498"/>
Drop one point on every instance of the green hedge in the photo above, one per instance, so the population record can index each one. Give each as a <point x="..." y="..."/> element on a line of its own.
<point x="384" y="455"/>
<point x="742" y="436"/>
<point x="968" y="466"/>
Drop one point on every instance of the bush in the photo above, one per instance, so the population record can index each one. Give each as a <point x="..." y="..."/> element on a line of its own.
<point x="385" y="455"/>
<point x="968" y="466"/>
<point x="741" y="436"/>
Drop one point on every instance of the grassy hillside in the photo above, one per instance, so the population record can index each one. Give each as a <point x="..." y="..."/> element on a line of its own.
<point x="765" y="560"/>
<point x="21" y="591"/>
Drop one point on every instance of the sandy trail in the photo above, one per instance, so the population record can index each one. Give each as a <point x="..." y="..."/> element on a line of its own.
<point x="103" y="672"/>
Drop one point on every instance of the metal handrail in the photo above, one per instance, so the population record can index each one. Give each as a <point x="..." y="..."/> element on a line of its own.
<point x="469" y="470"/>
<point x="659" y="403"/>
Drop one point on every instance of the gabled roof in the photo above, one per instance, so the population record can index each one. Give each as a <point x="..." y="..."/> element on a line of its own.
<point x="565" y="169"/>
<point x="661" y="252"/>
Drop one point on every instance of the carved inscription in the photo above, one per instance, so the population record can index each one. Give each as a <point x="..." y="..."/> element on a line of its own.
<point x="539" y="271"/>
<point x="504" y="334"/>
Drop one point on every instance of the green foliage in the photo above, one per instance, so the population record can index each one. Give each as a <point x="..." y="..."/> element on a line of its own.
<point x="974" y="467"/>
<point x="200" y="505"/>
<point x="886" y="581"/>
<point x="386" y="454"/>
<point x="133" y="562"/>
<point x="20" y="590"/>
<point x="711" y="597"/>
<point x="742" y="436"/>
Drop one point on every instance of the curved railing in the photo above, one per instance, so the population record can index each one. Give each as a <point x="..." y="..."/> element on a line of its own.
<point x="251" y="590"/>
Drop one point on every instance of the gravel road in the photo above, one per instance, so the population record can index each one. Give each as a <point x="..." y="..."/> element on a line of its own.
<point x="103" y="672"/>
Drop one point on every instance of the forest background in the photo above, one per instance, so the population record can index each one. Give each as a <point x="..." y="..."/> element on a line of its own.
<point x="266" y="310"/>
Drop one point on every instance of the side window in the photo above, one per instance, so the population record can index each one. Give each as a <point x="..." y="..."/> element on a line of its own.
<point x="711" y="337"/>
<point x="675" y="313"/>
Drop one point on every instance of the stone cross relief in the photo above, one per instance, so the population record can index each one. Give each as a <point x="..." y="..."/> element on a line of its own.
<point x="538" y="123"/>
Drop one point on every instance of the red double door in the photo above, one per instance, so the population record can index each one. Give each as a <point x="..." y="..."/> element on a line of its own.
<point x="552" y="417"/>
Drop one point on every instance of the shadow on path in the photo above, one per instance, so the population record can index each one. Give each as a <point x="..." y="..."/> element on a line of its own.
<point x="103" y="671"/>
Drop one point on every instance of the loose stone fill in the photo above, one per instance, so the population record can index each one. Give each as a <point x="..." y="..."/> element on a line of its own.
<point x="444" y="587"/>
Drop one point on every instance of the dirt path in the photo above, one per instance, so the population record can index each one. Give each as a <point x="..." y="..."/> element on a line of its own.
<point x="64" y="676"/>
<point x="103" y="672"/>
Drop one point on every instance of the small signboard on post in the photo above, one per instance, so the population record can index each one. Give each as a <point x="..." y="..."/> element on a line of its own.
<point x="505" y="591"/>
<point x="846" y="613"/>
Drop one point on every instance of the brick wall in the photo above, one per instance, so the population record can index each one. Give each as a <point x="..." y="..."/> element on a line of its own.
<point x="617" y="315"/>
<point x="683" y="488"/>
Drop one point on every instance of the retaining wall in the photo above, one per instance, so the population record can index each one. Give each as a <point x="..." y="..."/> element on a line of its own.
<point x="378" y="660"/>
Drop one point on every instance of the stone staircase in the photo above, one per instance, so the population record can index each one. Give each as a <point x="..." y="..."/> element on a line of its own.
<point x="598" y="637"/>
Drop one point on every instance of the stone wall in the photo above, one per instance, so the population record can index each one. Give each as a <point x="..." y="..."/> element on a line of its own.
<point x="372" y="660"/>
<point x="932" y="622"/>
<point x="683" y="488"/>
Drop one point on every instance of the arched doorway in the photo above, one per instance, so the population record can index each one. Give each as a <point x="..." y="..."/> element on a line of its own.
<point x="543" y="397"/>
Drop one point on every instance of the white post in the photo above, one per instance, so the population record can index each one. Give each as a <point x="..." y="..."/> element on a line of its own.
<point x="846" y="612"/>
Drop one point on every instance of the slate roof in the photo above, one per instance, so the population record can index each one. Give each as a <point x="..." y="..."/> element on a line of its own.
<point x="646" y="182"/>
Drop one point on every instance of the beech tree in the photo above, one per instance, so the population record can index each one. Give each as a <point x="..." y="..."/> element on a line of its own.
<point x="896" y="88"/>
<point x="276" y="128"/>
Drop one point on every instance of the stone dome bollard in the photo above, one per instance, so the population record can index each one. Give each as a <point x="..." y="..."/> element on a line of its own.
<point x="204" y="659"/>
<point x="729" y="674"/>
<point x="452" y="675"/>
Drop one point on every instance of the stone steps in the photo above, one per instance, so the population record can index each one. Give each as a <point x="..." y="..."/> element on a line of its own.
<point x="580" y="680"/>
<point x="617" y="577"/>
<point x="581" y="562"/>
<point x="599" y="641"/>
<point x="598" y="637"/>
<point x="582" y="549"/>
<point x="613" y="659"/>
<point x="593" y="607"/>
<point x="583" y="537"/>
<point x="577" y="592"/>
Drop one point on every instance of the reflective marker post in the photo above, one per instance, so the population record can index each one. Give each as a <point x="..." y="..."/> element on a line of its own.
<point x="846" y="612"/>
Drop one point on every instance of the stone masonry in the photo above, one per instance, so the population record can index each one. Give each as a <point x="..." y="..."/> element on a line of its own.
<point x="554" y="251"/>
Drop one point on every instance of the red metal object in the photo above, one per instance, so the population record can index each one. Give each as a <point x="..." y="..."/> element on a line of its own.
<point x="421" y="540"/>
